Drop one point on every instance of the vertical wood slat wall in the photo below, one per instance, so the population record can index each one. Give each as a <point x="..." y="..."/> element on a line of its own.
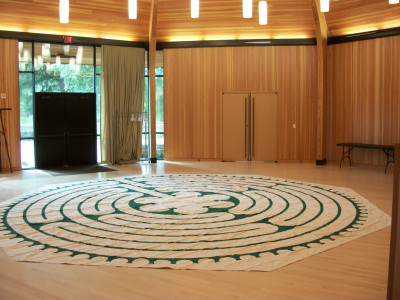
<point x="364" y="97"/>
<point x="363" y="100"/>
<point x="194" y="79"/>
<point x="9" y="86"/>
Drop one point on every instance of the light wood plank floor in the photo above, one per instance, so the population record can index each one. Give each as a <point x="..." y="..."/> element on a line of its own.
<point x="356" y="270"/>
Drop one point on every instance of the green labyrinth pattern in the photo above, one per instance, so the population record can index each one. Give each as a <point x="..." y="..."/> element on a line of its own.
<point x="212" y="222"/>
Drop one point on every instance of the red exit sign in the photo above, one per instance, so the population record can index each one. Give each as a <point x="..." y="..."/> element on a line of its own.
<point x="67" y="39"/>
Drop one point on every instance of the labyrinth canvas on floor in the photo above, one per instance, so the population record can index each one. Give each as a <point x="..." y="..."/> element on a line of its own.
<point x="208" y="222"/>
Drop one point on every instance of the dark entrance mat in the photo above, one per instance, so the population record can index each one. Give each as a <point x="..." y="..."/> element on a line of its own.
<point x="75" y="170"/>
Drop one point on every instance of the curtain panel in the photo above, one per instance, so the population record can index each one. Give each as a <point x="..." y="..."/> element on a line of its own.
<point x="122" y="94"/>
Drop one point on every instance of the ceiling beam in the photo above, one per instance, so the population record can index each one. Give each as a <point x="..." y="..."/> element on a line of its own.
<point x="152" y="77"/>
<point x="319" y="20"/>
<point x="321" y="31"/>
<point x="153" y="19"/>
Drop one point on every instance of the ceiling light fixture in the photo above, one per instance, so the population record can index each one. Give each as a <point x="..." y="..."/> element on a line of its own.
<point x="194" y="8"/>
<point x="132" y="9"/>
<point x="64" y="11"/>
<point x="393" y="1"/>
<point x="262" y="13"/>
<point x="324" y="5"/>
<point x="247" y="8"/>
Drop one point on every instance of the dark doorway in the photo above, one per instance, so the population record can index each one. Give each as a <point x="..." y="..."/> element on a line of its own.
<point x="65" y="129"/>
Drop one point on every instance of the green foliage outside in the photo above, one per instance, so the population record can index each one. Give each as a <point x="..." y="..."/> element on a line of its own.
<point x="63" y="78"/>
<point x="26" y="104"/>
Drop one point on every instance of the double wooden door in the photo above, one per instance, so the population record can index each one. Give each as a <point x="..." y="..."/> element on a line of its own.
<point x="65" y="129"/>
<point x="249" y="127"/>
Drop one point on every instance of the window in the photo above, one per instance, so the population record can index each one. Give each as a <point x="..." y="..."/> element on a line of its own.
<point x="63" y="68"/>
<point x="98" y="99"/>
<point x="160" y="112"/>
<point x="159" y="109"/>
<point x="26" y="92"/>
<point x="145" y="128"/>
<point x="45" y="67"/>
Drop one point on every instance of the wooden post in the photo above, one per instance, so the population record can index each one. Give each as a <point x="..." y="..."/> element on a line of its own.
<point x="152" y="79"/>
<point x="11" y="119"/>
<point x="393" y="291"/>
<point x="321" y="30"/>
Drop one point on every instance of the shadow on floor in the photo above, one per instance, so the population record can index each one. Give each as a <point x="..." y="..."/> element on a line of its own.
<point x="76" y="170"/>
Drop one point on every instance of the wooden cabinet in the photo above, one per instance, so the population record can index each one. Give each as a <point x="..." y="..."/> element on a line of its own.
<point x="249" y="127"/>
<point x="65" y="129"/>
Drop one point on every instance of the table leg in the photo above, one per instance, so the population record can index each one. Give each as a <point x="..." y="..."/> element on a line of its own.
<point x="389" y="157"/>
<point x="346" y="154"/>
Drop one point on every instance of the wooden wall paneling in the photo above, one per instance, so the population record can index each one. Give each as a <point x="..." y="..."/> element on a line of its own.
<point x="226" y="69"/>
<point x="240" y="70"/>
<point x="207" y="101"/>
<point x="364" y="96"/>
<point x="269" y="69"/>
<point x="178" y="104"/>
<point x="332" y="112"/>
<point x="361" y="76"/>
<point x="197" y="96"/>
<point x="340" y="116"/>
<point x="210" y="123"/>
<point x="289" y="70"/>
<point x="255" y="58"/>
<point x="307" y="122"/>
<point x="224" y="82"/>
<point x="9" y="86"/>
<point x="169" y="87"/>
<point x="283" y="106"/>
<point x="187" y="111"/>
<point x="287" y="74"/>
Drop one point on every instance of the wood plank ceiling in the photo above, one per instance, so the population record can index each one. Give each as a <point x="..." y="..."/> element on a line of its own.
<point x="219" y="19"/>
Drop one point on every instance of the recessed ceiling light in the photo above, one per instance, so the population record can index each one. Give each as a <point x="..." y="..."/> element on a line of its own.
<point x="194" y="8"/>
<point x="132" y="9"/>
<point x="324" y="5"/>
<point x="247" y="8"/>
<point x="64" y="11"/>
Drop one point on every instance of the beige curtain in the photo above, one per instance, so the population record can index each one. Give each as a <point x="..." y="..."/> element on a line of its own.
<point x="122" y="99"/>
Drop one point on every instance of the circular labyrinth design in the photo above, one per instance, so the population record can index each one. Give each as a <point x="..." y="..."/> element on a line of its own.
<point x="232" y="222"/>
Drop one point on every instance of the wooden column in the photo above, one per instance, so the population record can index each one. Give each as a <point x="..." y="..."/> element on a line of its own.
<point x="393" y="291"/>
<point x="9" y="88"/>
<point x="152" y="78"/>
<point x="322" y="45"/>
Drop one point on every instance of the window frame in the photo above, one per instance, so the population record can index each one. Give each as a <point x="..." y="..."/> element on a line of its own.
<point x="33" y="72"/>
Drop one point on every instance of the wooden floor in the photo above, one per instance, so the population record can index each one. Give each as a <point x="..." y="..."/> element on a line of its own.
<point x="356" y="270"/>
